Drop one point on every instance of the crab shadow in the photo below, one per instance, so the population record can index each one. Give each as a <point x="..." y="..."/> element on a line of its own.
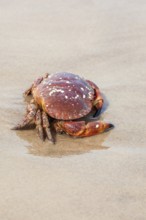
<point x="65" y="145"/>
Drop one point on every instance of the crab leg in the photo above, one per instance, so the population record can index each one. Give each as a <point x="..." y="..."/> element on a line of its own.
<point x="31" y="112"/>
<point x="81" y="129"/>
<point x="35" y="83"/>
<point x="98" y="101"/>
<point x="46" y="126"/>
<point x="38" y="122"/>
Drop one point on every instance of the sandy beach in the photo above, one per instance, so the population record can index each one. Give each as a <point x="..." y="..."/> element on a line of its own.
<point x="97" y="178"/>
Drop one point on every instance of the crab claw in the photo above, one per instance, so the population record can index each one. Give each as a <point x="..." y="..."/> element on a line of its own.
<point x="81" y="129"/>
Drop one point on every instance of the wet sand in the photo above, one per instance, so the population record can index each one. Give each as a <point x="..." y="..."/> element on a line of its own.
<point x="101" y="177"/>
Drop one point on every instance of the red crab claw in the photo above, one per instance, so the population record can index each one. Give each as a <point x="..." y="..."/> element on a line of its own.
<point x="81" y="129"/>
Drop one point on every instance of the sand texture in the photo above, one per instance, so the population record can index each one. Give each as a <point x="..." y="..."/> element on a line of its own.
<point x="97" y="178"/>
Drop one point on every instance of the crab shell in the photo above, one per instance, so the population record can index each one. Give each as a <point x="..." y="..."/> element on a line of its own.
<point x="64" y="96"/>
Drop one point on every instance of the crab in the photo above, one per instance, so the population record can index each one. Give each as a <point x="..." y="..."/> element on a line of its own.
<point x="61" y="101"/>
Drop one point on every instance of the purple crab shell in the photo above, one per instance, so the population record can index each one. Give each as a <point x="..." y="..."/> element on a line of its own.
<point x="64" y="96"/>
